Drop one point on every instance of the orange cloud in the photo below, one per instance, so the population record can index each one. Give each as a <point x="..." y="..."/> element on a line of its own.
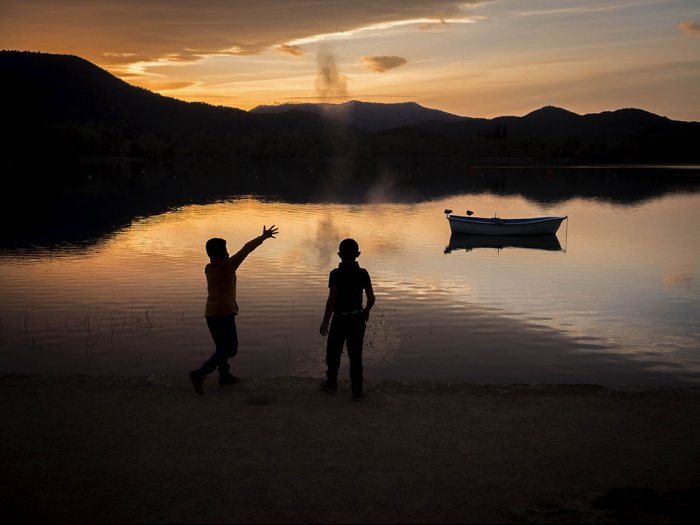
<point x="170" y="86"/>
<point x="690" y="28"/>
<point x="290" y="49"/>
<point x="383" y="63"/>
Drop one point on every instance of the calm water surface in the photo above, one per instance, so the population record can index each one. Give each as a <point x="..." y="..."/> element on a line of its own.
<point x="617" y="304"/>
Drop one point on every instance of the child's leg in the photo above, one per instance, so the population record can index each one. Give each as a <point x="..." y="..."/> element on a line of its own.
<point x="229" y="342"/>
<point x="223" y="332"/>
<point x="334" y="348"/>
<point x="356" y="335"/>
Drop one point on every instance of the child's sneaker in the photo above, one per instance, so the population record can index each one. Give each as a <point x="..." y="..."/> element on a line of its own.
<point x="329" y="387"/>
<point x="228" y="379"/>
<point x="197" y="382"/>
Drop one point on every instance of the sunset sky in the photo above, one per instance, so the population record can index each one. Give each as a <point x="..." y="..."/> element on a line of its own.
<point x="476" y="58"/>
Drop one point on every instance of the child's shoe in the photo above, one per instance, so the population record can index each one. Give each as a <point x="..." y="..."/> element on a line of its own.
<point x="329" y="387"/>
<point x="197" y="382"/>
<point x="228" y="379"/>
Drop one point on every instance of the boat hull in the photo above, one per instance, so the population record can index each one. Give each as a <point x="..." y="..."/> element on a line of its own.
<point x="494" y="226"/>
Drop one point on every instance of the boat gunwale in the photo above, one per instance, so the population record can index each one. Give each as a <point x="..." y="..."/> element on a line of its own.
<point x="497" y="220"/>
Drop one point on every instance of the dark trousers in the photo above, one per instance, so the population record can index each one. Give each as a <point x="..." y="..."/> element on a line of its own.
<point x="223" y="332"/>
<point x="350" y="328"/>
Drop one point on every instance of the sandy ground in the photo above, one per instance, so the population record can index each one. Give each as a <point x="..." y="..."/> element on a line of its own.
<point x="131" y="450"/>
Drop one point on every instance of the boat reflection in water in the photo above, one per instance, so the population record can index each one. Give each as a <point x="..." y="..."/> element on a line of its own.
<point x="460" y="241"/>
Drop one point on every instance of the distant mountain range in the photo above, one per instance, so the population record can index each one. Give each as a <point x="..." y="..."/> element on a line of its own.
<point x="371" y="116"/>
<point x="62" y="106"/>
<point x="547" y="122"/>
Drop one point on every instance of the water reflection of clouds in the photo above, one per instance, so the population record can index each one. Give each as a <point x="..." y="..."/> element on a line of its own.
<point x="609" y="286"/>
<point x="318" y="232"/>
<point x="682" y="279"/>
<point x="383" y="189"/>
<point x="325" y="242"/>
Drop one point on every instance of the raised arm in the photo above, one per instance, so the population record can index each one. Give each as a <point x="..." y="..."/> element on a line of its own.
<point x="238" y="257"/>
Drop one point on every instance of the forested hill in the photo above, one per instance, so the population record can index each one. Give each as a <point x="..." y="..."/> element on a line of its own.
<point x="65" y="106"/>
<point x="371" y="116"/>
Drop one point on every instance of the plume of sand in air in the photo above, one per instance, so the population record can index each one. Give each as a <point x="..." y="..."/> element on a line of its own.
<point x="331" y="85"/>
<point x="331" y="88"/>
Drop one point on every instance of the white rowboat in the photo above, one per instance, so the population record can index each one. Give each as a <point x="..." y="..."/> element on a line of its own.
<point x="498" y="226"/>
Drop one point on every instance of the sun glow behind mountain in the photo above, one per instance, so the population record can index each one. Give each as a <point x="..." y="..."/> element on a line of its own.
<point x="478" y="58"/>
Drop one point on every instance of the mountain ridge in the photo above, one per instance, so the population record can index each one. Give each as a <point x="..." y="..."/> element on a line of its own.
<point x="371" y="116"/>
<point x="65" y="105"/>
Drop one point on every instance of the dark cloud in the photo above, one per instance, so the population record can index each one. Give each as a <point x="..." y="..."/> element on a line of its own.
<point x="383" y="62"/>
<point x="127" y="31"/>
<point x="690" y="28"/>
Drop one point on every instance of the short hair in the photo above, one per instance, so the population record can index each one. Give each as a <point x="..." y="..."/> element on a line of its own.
<point x="348" y="249"/>
<point x="216" y="247"/>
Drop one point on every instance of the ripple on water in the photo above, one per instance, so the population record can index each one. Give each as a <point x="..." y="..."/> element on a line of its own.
<point x="618" y="303"/>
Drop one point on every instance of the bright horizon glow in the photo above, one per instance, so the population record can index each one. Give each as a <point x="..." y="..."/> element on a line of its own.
<point x="478" y="58"/>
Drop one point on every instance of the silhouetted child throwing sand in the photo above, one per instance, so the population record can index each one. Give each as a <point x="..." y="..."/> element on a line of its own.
<point x="221" y="308"/>
<point x="346" y="284"/>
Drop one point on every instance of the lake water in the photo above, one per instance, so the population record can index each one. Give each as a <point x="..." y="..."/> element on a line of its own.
<point x="615" y="300"/>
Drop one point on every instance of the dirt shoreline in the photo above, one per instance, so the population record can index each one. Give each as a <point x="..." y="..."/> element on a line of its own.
<point x="87" y="449"/>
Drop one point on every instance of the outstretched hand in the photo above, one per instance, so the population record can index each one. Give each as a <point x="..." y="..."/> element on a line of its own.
<point x="269" y="232"/>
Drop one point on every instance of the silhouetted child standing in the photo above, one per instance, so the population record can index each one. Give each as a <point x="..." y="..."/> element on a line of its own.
<point x="221" y="308"/>
<point x="346" y="284"/>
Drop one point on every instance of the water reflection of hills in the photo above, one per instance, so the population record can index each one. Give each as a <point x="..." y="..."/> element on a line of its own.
<point x="78" y="204"/>
<point x="471" y="242"/>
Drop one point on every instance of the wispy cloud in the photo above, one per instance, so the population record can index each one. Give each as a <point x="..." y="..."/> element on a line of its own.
<point x="690" y="28"/>
<point x="419" y="23"/>
<point x="440" y="24"/>
<point x="171" y="86"/>
<point x="382" y="63"/>
<point x="576" y="10"/>
<point x="291" y="50"/>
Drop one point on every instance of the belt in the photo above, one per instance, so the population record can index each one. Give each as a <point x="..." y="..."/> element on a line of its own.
<point x="353" y="312"/>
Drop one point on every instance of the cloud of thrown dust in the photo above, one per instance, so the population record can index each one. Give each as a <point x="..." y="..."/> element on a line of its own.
<point x="331" y="85"/>
<point x="331" y="88"/>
